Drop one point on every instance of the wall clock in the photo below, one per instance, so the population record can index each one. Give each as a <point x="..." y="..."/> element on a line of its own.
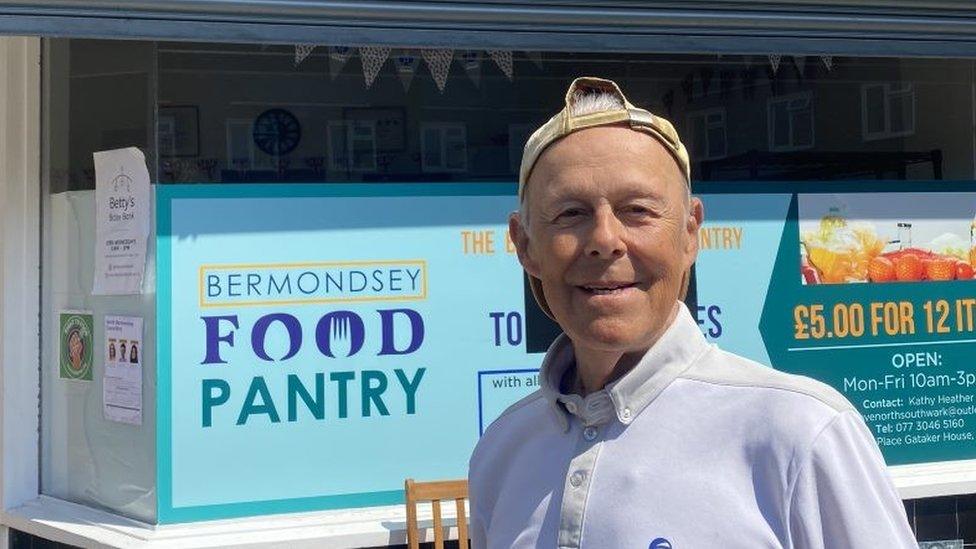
<point x="276" y="132"/>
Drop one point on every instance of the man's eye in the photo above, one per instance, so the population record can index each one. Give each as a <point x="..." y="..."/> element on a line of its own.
<point x="637" y="209"/>
<point x="570" y="214"/>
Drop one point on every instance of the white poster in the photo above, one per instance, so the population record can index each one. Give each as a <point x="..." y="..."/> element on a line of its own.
<point x="122" y="386"/>
<point x="122" y="224"/>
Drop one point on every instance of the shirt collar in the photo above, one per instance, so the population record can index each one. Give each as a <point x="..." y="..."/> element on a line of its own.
<point x="676" y="350"/>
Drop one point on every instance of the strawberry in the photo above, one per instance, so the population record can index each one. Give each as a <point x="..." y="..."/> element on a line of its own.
<point x="881" y="269"/>
<point x="964" y="271"/>
<point x="909" y="268"/>
<point x="940" y="269"/>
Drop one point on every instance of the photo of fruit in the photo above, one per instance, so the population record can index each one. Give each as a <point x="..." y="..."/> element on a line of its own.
<point x="889" y="237"/>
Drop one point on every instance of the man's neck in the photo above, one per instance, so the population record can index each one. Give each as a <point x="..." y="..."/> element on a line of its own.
<point x="595" y="368"/>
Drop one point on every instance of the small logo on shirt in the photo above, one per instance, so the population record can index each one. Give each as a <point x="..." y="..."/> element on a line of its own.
<point x="660" y="543"/>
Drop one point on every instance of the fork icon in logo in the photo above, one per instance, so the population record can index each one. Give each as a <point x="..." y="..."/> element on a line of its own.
<point x="342" y="332"/>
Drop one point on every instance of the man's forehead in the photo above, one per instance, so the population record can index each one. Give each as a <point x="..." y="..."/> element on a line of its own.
<point x="628" y="160"/>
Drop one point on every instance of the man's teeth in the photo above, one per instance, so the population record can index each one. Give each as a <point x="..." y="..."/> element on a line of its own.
<point x="605" y="289"/>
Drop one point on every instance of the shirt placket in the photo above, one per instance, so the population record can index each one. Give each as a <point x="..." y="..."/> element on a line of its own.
<point x="576" y="486"/>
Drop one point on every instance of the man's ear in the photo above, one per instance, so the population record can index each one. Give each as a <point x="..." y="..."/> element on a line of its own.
<point x="696" y="215"/>
<point x="520" y="239"/>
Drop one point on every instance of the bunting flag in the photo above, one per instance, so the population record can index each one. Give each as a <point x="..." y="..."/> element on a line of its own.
<point x="439" y="64"/>
<point x="801" y="63"/>
<point x="338" y="55"/>
<point x="406" y="62"/>
<point x="828" y="61"/>
<point x="503" y="58"/>
<point x="774" y="61"/>
<point x="302" y="51"/>
<point x="373" y="58"/>
<point x="535" y="57"/>
<point x="471" y="63"/>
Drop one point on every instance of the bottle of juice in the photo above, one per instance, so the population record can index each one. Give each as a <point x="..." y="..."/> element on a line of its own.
<point x="972" y="243"/>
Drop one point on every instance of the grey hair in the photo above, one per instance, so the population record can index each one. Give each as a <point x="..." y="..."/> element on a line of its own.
<point x="584" y="103"/>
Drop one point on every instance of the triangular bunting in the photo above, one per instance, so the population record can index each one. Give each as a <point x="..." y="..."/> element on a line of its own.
<point x="828" y="61"/>
<point x="439" y="64"/>
<point x="774" y="61"/>
<point x="338" y="55"/>
<point x="471" y="63"/>
<point x="406" y="62"/>
<point x="302" y="51"/>
<point x="373" y="58"/>
<point x="503" y="58"/>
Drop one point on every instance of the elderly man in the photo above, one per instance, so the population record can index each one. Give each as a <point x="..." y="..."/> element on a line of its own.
<point x="643" y="435"/>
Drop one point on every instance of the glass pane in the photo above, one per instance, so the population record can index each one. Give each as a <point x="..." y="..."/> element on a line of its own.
<point x="874" y="98"/>
<point x="802" y="125"/>
<point x="432" y="148"/>
<point x="901" y="112"/>
<point x="781" y="125"/>
<point x="716" y="142"/>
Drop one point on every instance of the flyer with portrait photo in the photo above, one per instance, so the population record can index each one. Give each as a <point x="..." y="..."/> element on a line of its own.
<point x="122" y="386"/>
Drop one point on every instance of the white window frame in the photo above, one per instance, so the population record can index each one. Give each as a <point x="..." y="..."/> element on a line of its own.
<point x="690" y="131"/>
<point x="349" y="145"/>
<point x="775" y="100"/>
<point x="888" y="89"/>
<point x="231" y="124"/>
<point x="442" y="128"/>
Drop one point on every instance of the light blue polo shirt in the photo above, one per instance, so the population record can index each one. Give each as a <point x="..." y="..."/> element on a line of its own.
<point x="694" y="448"/>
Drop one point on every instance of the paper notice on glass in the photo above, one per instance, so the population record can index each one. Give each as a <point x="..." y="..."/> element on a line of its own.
<point x="122" y="224"/>
<point x="122" y="386"/>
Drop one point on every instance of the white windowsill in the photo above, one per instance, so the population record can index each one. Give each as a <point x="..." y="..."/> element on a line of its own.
<point x="925" y="480"/>
<point x="76" y="524"/>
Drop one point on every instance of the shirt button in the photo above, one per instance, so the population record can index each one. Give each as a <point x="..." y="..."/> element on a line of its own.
<point x="576" y="479"/>
<point x="590" y="433"/>
<point x="625" y="413"/>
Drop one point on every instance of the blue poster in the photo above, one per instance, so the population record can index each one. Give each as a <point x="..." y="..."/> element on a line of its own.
<point x="321" y="343"/>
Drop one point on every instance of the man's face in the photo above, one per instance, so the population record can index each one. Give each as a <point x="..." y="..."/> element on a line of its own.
<point x="610" y="235"/>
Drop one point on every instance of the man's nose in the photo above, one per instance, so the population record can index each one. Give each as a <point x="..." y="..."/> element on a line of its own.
<point x="605" y="237"/>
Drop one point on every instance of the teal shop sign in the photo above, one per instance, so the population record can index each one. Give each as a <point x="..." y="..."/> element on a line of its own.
<point x="320" y="343"/>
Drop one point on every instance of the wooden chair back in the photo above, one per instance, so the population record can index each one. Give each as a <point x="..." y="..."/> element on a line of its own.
<point x="435" y="492"/>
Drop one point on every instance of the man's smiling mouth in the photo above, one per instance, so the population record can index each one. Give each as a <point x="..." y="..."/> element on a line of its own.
<point x="607" y="288"/>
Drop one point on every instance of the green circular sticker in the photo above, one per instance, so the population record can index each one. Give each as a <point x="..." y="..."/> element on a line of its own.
<point x="76" y="346"/>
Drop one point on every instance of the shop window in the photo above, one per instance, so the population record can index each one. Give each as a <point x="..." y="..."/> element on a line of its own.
<point x="240" y="145"/>
<point x="887" y="110"/>
<point x="444" y="147"/>
<point x="352" y="146"/>
<point x="791" y="122"/>
<point x="706" y="134"/>
<point x="518" y="134"/>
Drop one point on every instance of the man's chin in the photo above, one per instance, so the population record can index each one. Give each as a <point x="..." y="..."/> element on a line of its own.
<point x="609" y="334"/>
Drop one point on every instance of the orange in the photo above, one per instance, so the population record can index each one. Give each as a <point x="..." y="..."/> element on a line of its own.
<point x="964" y="271"/>
<point x="940" y="269"/>
<point x="909" y="268"/>
<point x="881" y="269"/>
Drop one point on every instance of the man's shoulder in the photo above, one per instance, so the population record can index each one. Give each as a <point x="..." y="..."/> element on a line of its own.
<point x="521" y="419"/>
<point x="726" y="369"/>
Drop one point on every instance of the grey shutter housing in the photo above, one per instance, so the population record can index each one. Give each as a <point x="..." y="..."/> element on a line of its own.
<point x="866" y="27"/>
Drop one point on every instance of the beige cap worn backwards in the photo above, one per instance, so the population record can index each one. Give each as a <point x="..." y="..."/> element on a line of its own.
<point x="565" y="123"/>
